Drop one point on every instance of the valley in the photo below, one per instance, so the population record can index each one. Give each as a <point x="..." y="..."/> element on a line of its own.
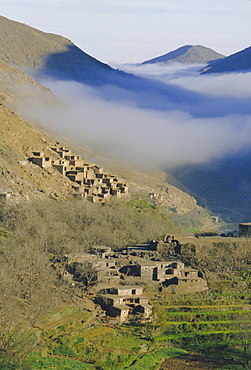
<point x="121" y="196"/>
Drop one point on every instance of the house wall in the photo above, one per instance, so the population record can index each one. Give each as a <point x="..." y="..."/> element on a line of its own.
<point x="127" y="291"/>
<point x="182" y="286"/>
<point x="87" y="174"/>
<point x="245" y="230"/>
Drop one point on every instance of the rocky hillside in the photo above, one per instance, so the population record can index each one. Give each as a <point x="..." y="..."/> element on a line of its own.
<point x="25" y="179"/>
<point x="17" y="88"/>
<point x="188" y="54"/>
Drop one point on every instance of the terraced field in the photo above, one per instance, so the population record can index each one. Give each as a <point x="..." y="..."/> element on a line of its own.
<point x="210" y="330"/>
<point x="216" y="323"/>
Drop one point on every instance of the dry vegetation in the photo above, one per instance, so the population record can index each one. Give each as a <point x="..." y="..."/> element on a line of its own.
<point x="41" y="230"/>
<point x="33" y="233"/>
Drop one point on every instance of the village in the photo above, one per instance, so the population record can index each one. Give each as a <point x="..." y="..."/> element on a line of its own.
<point x="89" y="180"/>
<point x="120" y="280"/>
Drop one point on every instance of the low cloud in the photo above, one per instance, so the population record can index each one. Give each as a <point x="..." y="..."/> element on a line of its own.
<point x="193" y="119"/>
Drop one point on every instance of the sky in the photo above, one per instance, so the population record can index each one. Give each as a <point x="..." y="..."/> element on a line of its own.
<point x="132" y="31"/>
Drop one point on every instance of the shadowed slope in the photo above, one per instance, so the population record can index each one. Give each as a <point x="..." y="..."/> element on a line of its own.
<point x="224" y="184"/>
<point x="28" y="47"/>
<point x="237" y="62"/>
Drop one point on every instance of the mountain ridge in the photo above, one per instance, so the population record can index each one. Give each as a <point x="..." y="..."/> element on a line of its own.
<point x="20" y="46"/>
<point x="237" y="62"/>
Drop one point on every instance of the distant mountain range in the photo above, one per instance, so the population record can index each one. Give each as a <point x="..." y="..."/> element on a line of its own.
<point x="188" y="54"/>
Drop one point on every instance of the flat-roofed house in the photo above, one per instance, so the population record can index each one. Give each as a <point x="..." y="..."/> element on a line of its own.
<point x="245" y="229"/>
<point x="123" y="301"/>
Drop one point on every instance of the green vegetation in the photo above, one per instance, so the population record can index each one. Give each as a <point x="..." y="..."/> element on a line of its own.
<point x="45" y="323"/>
<point x="151" y="360"/>
<point x="39" y="363"/>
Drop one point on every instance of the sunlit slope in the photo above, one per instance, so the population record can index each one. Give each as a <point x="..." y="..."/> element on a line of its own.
<point x="17" y="88"/>
<point x="28" y="47"/>
<point x="188" y="54"/>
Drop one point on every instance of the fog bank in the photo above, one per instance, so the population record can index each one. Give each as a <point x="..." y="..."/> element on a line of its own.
<point x="193" y="119"/>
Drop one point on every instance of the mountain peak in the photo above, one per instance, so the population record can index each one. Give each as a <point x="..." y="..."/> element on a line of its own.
<point x="188" y="54"/>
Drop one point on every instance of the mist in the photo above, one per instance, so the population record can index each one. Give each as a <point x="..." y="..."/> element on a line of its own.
<point x="175" y="117"/>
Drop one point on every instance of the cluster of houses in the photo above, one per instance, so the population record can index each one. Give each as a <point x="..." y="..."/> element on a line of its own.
<point x="89" y="180"/>
<point x="121" y="280"/>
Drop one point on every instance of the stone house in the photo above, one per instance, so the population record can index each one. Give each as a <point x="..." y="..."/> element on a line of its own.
<point x="106" y="270"/>
<point x="154" y="270"/>
<point x="62" y="166"/>
<point x="61" y="151"/>
<point x="182" y="284"/>
<point x="245" y="229"/>
<point x="8" y="197"/>
<point x="41" y="160"/>
<point x="124" y="301"/>
<point x="5" y="197"/>
<point x="184" y="280"/>
<point x="169" y="273"/>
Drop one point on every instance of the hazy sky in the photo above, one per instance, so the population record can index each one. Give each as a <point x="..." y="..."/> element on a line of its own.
<point x="137" y="30"/>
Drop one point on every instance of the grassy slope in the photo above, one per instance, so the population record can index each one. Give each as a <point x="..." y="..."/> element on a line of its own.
<point x="202" y="323"/>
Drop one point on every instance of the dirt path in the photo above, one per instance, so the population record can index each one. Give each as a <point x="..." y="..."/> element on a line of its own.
<point x="191" y="362"/>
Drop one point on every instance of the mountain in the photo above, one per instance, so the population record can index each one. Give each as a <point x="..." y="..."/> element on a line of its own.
<point x="26" y="52"/>
<point x="237" y="62"/>
<point x="188" y="54"/>
<point x="31" y="49"/>
<point x="44" y="55"/>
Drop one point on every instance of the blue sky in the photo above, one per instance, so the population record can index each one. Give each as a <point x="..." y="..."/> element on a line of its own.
<point x="128" y="31"/>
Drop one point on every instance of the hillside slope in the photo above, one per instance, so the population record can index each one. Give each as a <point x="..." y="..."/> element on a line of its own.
<point x="18" y="139"/>
<point x="17" y="89"/>
<point x="28" y="47"/>
<point x="237" y="62"/>
<point x="188" y="54"/>
<point x="17" y="174"/>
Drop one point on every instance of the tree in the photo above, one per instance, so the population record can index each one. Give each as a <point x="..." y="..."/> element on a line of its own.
<point x="243" y="326"/>
<point x="84" y="273"/>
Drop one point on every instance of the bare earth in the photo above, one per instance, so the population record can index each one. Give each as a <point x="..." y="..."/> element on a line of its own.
<point x="191" y="362"/>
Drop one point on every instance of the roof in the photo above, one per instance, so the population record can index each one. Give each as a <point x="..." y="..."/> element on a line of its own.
<point x="123" y="287"/>
<point x="188" y="269"/>
<point x="147" y="305"/>
<point x="245" y="224"/>
<point x="124" y="307"/>
<point x="116" y="296"/>
<point x="155" y="263"/>
<point x="188" y="277"/>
